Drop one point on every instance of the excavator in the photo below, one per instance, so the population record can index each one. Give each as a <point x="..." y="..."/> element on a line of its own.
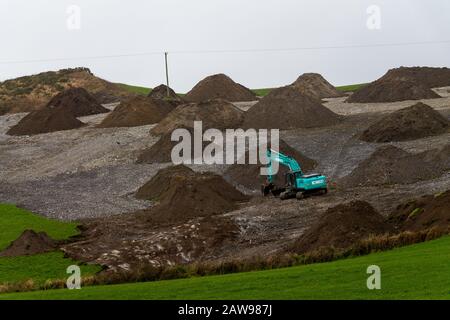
<point x="298" y="185"/>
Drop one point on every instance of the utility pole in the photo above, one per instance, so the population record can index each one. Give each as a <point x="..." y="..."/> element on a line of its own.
<point x="167" y="74"/>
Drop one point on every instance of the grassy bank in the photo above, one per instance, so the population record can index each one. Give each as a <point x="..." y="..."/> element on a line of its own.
<point x="39" y="268"/>
<point x="259" y="92"/>
<point x="419" y="271"/>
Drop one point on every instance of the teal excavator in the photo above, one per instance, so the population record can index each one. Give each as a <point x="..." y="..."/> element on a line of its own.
<point x="298" y="185"/>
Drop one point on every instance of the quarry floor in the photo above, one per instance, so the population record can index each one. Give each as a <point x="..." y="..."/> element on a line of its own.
<point x="91" y="173"/>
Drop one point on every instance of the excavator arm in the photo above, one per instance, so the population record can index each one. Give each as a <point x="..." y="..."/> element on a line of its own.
<point x="285" y="160"/>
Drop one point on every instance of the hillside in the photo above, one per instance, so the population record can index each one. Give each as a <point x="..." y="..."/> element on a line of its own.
<point x="33" y="92"/>
<point x="405" y="275"/>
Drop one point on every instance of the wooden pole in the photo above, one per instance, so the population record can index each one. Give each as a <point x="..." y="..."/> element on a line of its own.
<point x="167" y="74"/>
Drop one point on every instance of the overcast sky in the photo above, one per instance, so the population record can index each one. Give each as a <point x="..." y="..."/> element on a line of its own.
<point x="46" y="30"/>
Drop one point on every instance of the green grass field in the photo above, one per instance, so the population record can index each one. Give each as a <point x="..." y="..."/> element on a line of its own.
<point x="135" y="89"/>
<point x="259" y="92"/>
<point x="352" y="87"/>
<point x="419" y="271"/>
<point x="13" y="221"/>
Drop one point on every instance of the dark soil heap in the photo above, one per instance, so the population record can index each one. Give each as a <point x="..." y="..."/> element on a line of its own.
<point x="218" y="114"/>
<point x="160" y="92"/>
<point x="219" y="86"/>
<point x="316" y="86"/>
<point x="391" y="165"/>
<point x="431" y="211"/>
<point x="45" y="121"/>
<point x="288" y="108"/>
<point x="249" y="175"/>
<point x="29" y="243"/>
<point x="161" y="151"/>
<point x="439" y="158"/>
<point x="138" y="111"/>
<point x="404" y="83"/>
<point x="427" y="76"/>
<point x="342" y="226"/>
<point x="182" y="193"/>
<point x="76" y="101"/>
<point x="391" y="91"/>
<point x="417" y="121"/>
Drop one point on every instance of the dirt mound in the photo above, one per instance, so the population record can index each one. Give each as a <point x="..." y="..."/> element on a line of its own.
<point x="182" y="193"/>
<point x="417" y="121"/>
<point x="391" y="165"/>
<point x="138" y="111"/>
<point x="33" y="92"/>
<point x="427" y="76"/>
<point x="219" y="86"/>
<point x="76" y="101"/>
<point x="249" y="175"/>
<point x="439" y="158"/>
<point x="316" y="85"/>
<point x="160" y="92"/>
<point x="161" y="151"/>
<point x="342" y="226"/>
<point x="391" y="91"/>
<point x="218" y="113"/>
<point x="44" y="121"/>
<point x="288" y="108"/>
<point x="426" y="212"/>
<point x="29" y="243"/>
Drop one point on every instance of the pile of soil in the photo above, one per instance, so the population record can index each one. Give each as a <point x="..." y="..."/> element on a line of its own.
<point x="76" y="101"/>
<point x="391" y="91"/>
<point x="288" y="108"/>
<point x="161" y="151"/>
<point x="218" y="114"/>
<point x="404" y="83"/>
<point x="427" y="76"/>
<point x="249" y="175"/>
<point x="182" y="194"/>
<point x="430" y="211"/>
<point x="45" y="121"/>
<point x="160" y="93"/>
<point x="439" y="158"/>
<point x="219" y="86"/>
<point x="417" y="121"/>
<point x="341" y="226"/>
<point x="391" y="165"/>
<point x="138" y="111"/>
<point x="29" y="243"/>
<point x="316" y="86"/>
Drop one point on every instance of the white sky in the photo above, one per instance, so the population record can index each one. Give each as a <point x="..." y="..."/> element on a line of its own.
<point x="37" y="29"/>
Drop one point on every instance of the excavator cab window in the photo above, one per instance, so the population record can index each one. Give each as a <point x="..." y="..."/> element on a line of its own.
<point x="290" y="179"/>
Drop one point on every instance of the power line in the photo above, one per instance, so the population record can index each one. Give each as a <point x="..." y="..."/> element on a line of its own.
<point x="261" y="50"/>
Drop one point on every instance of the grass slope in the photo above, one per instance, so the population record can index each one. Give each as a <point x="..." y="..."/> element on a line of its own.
<point x="259" y="92"/>
<point x="13" y="221"/>
<point x="416" y="272"/>
<point x="349" y="88"/>
<point x="135" y="89"/>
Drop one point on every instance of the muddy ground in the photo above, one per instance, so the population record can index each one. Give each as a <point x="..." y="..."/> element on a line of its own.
<point x="91" y="173"/>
